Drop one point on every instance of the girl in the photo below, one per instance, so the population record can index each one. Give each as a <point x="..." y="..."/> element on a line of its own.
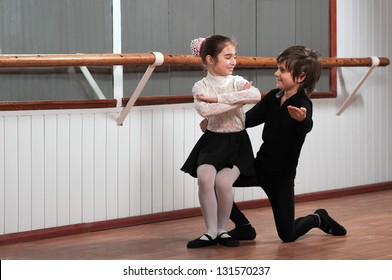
<point x="224" y="152"/>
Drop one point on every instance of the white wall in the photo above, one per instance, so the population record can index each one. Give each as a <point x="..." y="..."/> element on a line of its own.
<point x="63" y="167"/>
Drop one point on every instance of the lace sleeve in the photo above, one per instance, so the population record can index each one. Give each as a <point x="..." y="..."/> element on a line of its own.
<point x="209" y="109"/>
<point x="206" y="109"/>
<point x="248" y="96"/>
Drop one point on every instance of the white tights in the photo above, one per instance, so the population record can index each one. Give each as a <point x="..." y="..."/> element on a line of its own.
<point x="216" y="196"/>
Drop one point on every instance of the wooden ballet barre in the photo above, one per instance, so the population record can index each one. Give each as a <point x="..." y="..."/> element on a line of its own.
<point x="158" y="59"/>
<point x="327" y="62"/>
<point x="58" y="60"/>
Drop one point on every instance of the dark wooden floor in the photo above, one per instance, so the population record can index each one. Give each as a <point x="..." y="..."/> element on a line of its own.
<point x="367" y="218"/>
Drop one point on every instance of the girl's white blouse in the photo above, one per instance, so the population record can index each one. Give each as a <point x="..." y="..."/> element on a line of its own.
<point x="227" y="115"/>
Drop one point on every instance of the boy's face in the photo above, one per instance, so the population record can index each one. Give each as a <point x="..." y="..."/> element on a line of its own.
<point x="284" y="79"/>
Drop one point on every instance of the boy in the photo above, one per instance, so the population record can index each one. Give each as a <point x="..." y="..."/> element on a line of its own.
<point x="287" y="116"/>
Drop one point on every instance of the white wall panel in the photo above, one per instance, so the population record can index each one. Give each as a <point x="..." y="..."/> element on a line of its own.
<point x="75" y="168"/>
<point x="11" y="180"/>
<point x="135" y="163"/>
<point x="146" y="159"/>
<point x="37" y="172"/>
<point x="24" y="172"/>
<point x="179" y="156"/>
<point x="63" y="168"/>
<point x="88" y="193"/>
<point x="2" y="176"/>
<point x="168" y="160"/>
<point x="157" y="160"/>
<point x="50" y="169"/>
<point x="363" y="31"/>
<point x="124" y="169"/>
<point x="111" y="168"/>
<point x="100" y="165"/>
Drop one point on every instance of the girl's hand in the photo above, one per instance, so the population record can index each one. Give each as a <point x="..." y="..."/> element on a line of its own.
<point x="248" y="85"/>
<point x="298" y="114"/>
<point x="202" y="97"/>
<point x="203" y="125"/>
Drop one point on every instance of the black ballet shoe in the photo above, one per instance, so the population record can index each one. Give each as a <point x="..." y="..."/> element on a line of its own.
<point x="329" y="225"/>
<point x="228" y="241"/>
<point x="245" y="232"/>
<point x="199" y="243"/>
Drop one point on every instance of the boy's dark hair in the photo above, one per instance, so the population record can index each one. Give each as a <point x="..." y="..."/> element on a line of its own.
<point x="302" y="60"/>
<point x="213" y="45"/>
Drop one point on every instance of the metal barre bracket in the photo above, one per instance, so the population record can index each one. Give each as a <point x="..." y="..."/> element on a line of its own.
<point x="375" y="63"/>
<point x="159" y="59"/>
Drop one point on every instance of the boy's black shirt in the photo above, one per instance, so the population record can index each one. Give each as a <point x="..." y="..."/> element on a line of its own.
<point x="282" y="136"/>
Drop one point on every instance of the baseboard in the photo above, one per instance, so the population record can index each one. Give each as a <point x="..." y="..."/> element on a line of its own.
<point x="172" y="215"/>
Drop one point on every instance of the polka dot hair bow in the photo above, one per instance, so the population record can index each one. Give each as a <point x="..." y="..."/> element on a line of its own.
<point x="195" y="46"/>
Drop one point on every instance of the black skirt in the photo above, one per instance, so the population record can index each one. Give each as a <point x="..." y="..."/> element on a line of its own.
<point x="222" y="150"/>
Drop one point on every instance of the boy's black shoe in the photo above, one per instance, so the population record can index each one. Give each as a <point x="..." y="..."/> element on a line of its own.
<point x="329" y="225"/>
<point x="245" y="232"/>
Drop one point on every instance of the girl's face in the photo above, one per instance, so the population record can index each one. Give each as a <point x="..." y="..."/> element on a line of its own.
<point x="284" y="79"/>
<point x="225" y="62"/>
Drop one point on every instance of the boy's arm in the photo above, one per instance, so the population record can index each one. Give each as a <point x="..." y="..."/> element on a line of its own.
<point x="303" y="116"/>
<point x="257" y="114"/>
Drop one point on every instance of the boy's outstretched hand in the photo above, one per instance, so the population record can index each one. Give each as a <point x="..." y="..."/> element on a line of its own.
<point x="298" y="114"/>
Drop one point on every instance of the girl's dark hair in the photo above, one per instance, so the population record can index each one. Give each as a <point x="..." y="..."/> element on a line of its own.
<point x="299" y="61"/>
<point x="213" y="45"/>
